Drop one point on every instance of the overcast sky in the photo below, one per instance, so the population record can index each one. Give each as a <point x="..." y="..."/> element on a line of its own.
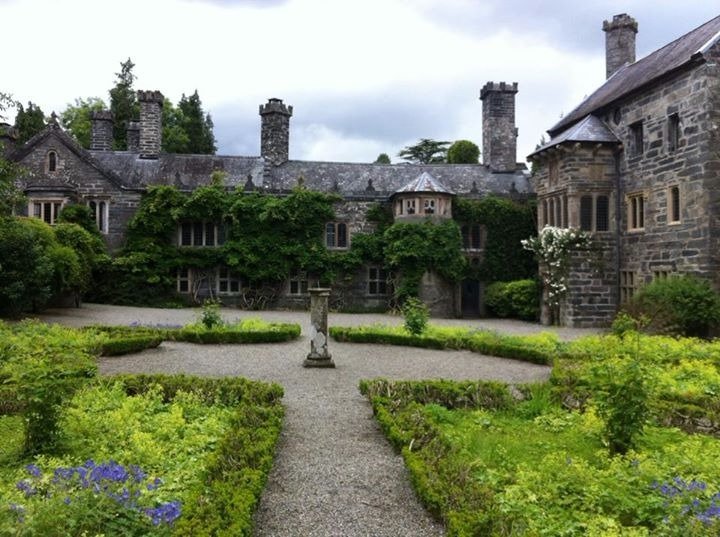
<point x="363" y="76"/>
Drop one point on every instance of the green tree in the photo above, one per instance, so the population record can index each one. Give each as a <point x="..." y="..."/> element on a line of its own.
<point x="10" y="196"/>
<point x="123" y="103"/>
<point x="383" y="158"/>
<point x="463" y="152"/>
<point x="76" y="118"/>
<point x="426" y="151"/>
<point x="197" y="125"/>
<point x="174" y="137"/>
<point x="29" y="121"/>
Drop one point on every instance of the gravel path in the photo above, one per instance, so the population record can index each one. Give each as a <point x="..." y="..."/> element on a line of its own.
<point x="334" y="474"/>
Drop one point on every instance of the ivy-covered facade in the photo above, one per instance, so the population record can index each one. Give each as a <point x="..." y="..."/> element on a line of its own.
<point x="260" y="231"/>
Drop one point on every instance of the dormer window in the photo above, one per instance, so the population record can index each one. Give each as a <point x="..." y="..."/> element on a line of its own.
<point x="52" y="161"/>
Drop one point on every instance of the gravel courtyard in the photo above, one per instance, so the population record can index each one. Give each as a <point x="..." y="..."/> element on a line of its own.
<point x="335" y="474"/>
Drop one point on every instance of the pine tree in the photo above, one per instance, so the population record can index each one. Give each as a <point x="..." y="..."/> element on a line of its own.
<point x="426" y="151"/>
<point x="28" y="122"/>
<point x="123" y="104"/>
<point x="196" y="125"/>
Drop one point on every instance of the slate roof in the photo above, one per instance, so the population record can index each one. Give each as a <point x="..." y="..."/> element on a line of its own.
<point x="683" y="52"/>
<point x="349" y="178"/>
<point x="589" y="129"/>
<point x="424" y="183"/>
<point x="185" y="172"/>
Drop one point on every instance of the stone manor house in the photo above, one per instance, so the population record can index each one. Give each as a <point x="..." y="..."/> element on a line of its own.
<point x="637" y="164"/>
<point x="111" y="183"/>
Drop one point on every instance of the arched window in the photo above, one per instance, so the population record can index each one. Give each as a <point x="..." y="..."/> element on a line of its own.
<point x="52" y="161"/>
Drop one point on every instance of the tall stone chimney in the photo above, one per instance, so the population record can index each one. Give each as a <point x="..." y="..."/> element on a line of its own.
<point x="498" y="126"/>
<point x="275" y="131"/>
<point x="101" y="134"/>
<point x="619" y="42"/>
<point x="150" y="123"/>
<point x="133" y="136"/>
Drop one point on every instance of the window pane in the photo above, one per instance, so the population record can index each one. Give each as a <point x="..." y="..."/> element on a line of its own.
<point x="586" y="213"/>
<point x="221" y="234"/>
<point x="186" y="234"/>
<point x="293" y="287"/>
<point x="641" y="212"/>
<point x="330" y="235"/>
<point x="342" y="235"/>
<point x="675" y="204"/>
<point x="475" y="237"/>
<point x="602" y="216"/>
<point x="465" y="231"/>
<point x="551" y="211"/>
<point x="209" y="234"/>
<point x="197" y="234"/>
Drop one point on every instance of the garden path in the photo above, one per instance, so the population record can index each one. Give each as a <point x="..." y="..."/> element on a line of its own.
<point x="335" y="474"/>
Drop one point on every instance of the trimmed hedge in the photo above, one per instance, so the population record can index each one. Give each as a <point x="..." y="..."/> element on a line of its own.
<point x="540" y="349"/>
<point x="519" y="299"/>
<point x="127" y="339"/>
<point x="224" y="502"/>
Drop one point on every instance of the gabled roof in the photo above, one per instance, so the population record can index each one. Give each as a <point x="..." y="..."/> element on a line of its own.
<point x="54" y="130"/>
<point x="590" y="129"/>
<point x="424" y="183"/>
<point x="683" y="52"/>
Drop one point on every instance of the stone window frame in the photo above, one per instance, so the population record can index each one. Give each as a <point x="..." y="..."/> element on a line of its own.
<point x="637" y="139"/>
<point x="37" y="208"/>
<point x="100" y="211"/>
<point x="340" y="230"/>
<point x="298" y="284"/>
<point x="636" y="204"/>
<point x="555" y="210"/>
<point x="673" y="132"/>
<point x="51" y="161"/>
<point x="595" y="216"/>
<point x="378" y="281"/>
<point x="674" y="205"/>
<point x="628" y="285"/>
<point x="191" y="229"/>
<point x="410" y="206"/>
<point x="473" y="237"/>
<point x="228" y="282"/>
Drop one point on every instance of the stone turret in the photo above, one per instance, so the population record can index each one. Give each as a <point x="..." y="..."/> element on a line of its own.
<point x="133" y="136"/>
<point x="101" y="135"/>
<point x="150" y="123"/>
<point x="498" y="126"/>
<point x="619" y="42"/>
<point x="275" y="131"/>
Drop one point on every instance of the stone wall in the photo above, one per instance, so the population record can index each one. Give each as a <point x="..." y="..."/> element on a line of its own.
<point x="78" y="182"/>
<point x="275" y="131"/>
<point x="151" y="103"/>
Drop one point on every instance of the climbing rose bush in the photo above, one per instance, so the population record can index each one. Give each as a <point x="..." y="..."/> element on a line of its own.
<point x="552" y="248"/>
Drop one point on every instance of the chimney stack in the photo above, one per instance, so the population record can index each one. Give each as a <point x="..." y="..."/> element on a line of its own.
<point x="133" y="136"/>
<point x="275" y="131"/>
<point x="151" y="103"/>
<point x="101" y="135"/>
<point x="619" y="42"/>
<point x="498" y="126"/>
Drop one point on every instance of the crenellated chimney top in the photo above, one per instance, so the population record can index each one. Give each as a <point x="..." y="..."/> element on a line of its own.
<point x="619" y="42"/>
<point x="275" y="131"/>
<point x="498" y="126"/>
<point x="151" y="103"/>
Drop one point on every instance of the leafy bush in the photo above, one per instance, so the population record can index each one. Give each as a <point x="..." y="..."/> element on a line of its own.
<point x="519" y="299"/>
<point x="129" y="344"/>
<point x="679" y="305"/>
<point x="41" y="366"/>
<point x="621" y="395"/>
<point x="211" y="317"/>
<point x="463" y="152"/>
<point x="416" y="316"/>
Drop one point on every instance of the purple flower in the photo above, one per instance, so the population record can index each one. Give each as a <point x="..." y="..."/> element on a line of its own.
<point x="33" y="470"/>
<point x="26" y="487"/>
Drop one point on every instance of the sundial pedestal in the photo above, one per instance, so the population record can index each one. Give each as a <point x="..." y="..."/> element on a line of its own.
<point x="319" y="355"/>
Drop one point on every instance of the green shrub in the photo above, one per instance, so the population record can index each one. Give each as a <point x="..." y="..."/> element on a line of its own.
<point x="129" y="344"/>
<point x="519" y="299"/>
<point x="679" y="305"/>
<point x="211" y="317"/>
<point x="621" y="395"/>
<point x="416" y="315"/>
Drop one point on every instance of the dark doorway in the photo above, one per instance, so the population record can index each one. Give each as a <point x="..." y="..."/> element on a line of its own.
<point x="470" y="298"/>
